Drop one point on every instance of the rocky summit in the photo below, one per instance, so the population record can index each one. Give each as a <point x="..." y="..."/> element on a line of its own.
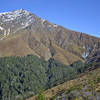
<point x="23" y="33"/>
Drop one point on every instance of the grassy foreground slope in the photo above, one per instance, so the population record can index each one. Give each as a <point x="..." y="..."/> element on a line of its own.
<point x="85" y="87"/>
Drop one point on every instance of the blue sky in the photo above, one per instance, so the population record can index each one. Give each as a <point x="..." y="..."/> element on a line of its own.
<point x="79" y="15"/>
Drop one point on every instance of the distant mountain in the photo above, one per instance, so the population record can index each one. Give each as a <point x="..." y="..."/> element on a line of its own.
<point x="23" y="33"/>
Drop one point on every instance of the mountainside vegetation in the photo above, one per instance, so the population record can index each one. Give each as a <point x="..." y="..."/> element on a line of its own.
<point x="22" y="77"/>
<point x="85" y="87"/>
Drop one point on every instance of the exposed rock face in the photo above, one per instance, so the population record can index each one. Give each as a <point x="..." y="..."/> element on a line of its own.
<point x="22" y="33"/>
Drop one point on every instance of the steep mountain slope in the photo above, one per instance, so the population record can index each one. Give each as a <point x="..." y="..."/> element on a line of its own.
<point x="22" y="33"/>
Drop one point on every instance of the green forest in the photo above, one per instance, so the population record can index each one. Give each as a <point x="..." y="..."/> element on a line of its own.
<point x="22" y="77"/>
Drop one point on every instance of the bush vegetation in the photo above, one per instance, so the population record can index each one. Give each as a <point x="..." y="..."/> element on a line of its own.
<point x="22" y="77"/>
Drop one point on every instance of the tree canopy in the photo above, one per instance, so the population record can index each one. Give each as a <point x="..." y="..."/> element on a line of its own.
<point x="21" y="77"/>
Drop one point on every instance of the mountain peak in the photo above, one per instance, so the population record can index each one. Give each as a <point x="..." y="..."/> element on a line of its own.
<point x="16" y="17"/>
<point x="21" y="11"/>
<point x="15" y="11"/>
<point x="8" y="16"/>
<point x="15" y="20"/>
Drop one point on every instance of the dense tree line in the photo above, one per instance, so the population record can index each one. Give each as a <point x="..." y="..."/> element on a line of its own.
<point x="21" y="77"/>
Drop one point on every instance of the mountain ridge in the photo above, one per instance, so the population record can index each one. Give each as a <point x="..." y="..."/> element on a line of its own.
<point x="44" y="39"/>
